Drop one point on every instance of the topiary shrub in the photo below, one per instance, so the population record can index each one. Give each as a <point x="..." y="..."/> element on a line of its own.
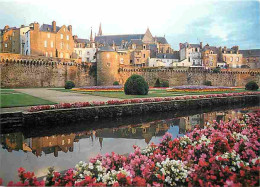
<point x="157" y="83"/>
<point x="116" y="83"/>
<point x="208" y="83"/>
<point x="165" y="84"/>
<point x="69" y="85"/>
<point x="251" y="86"/>
<point x="136" y="85"/>
<point x="216" y="70"/>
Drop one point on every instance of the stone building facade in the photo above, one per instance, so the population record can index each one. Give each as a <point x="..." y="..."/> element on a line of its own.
<point x="10" y="40"/>
<point x="49" y="41"/>
<point x="231" y="57"/>
<point x="209" y="56"/>
<point x="251" y="58"/>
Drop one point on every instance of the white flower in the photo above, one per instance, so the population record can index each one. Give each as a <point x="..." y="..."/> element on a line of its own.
<point x="90" y="166"/>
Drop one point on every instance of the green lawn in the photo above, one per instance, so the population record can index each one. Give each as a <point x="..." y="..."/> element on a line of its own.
<point x="11" y="98"/>
<point x="152" y="93"/>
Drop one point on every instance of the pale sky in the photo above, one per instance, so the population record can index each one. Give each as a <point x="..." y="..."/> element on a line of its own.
<point x="219" y="23"/>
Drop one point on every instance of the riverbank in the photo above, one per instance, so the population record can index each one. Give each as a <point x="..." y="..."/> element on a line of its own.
<point x="69" y="115"/>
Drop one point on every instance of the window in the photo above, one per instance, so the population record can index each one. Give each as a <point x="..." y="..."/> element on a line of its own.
<point x="237" y="59"/>
<point x="48" y="35"/>
<point x="6" y="45"/>
<point x="62" y="142"/>
<point x="61" y="55"/>
<point x="144" y="46"/>
<point x="13" y="33"/>
<point x="67" y="46"/>
<point x="144" y="55"/>
<point x="68" y="37"/>
<point x="61" y="45"/>
<point x="45" y="43"/>
<point x="80" y="53"/>
<point x="46" y="54"/>
<point x="108" y="64"/>
<point x="247" y="59"/>
<point x="50" y="144"/>
<point x="69" y="140"/>
<point x="51" y="44"/>
<point x="225" y="59"/>
<point x="50" y="54"/>
<point x="61" y="36"/>
<point x="64" y="29"/>
<point x="231" y="59"/>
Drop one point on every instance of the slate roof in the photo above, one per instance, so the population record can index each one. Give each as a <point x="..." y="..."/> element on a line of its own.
<point x="195" y="45"/>
<point x="109" y="39"/>
<point x="79" y="40"/>
<point x="213" y="48"/>
<point x="161" y="40"/>
<point x="250" y="53"/>
<point x="106" y="48"/>
<point x="175" y="55"/>
<point x="153" y="50"/>
<point x="136" y="41"/>
<point x="48" y="28"/>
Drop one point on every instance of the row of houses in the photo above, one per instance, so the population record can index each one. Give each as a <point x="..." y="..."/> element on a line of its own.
<point x="144" y="49"/>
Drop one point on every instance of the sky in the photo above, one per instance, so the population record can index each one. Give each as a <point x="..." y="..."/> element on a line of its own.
<point x="217" y="23"/>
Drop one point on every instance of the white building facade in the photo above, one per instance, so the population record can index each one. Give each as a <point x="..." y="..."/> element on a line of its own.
<point x="23" y="31"/>
<point x="86" y="54"/>
<point x="27" y="46"/>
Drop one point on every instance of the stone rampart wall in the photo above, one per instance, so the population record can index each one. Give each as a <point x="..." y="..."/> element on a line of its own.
<point x="192" y="77"/>
<point x="43" y="73"/>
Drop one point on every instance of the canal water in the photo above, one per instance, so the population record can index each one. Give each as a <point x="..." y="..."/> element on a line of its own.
<point x="64" y="145"/>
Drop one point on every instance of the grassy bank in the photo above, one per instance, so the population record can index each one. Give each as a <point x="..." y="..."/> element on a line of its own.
<point x="12" y="98"/>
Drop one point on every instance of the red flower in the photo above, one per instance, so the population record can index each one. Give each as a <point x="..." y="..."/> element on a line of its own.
<point x="21" y="170"/>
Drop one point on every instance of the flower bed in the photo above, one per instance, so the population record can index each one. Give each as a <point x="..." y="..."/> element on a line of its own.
<point x="130" y="101"/>
<point x="221" y="154"/>
<point x="201" y="88"/>
<point x="116" y="88"/>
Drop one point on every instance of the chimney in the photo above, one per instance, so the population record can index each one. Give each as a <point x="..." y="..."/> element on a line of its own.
<point x="225" y="48"/>
<point x="180" y="44"/>
<point x="70" y="28"/>
<point x="6" y="27"/>
<point x="54" y="26"/>
<point x="75" y="37"/>
<point x="36" y="26"/>
<point x="201" y="45"/>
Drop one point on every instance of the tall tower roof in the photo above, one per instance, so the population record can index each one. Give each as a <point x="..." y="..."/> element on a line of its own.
<point x="100" y="30"/>
<point x="91" y="37"/>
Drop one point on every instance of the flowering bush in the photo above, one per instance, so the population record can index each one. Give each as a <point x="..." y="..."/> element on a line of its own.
<point x="220" y="154"/>
<point x="131" y="101"/>
<point x="199" y="88"/>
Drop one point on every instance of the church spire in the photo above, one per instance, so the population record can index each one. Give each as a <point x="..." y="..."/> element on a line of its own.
<point x="100" y="30"/>
<point x="91" y="38"/>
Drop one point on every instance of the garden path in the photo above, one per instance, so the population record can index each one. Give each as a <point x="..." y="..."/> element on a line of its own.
<point x="61" y="97"/>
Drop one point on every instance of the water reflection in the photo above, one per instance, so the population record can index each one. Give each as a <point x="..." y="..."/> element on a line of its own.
<point x="64" y="150"/>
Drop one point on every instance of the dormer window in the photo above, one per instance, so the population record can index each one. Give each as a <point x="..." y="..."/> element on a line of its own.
<point x="144" y="47"/>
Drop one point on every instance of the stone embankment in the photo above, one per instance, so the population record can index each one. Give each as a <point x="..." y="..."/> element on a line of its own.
<point x="61" y="116"/>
